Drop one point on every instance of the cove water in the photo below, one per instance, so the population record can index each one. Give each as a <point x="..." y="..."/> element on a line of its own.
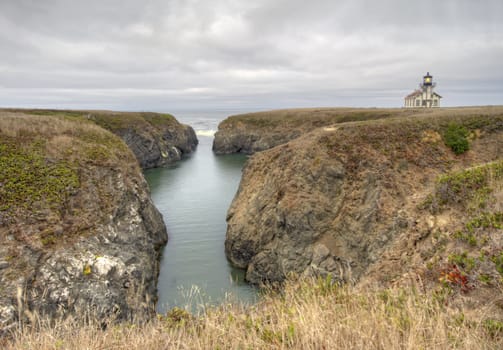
<point x="193" y="196"/>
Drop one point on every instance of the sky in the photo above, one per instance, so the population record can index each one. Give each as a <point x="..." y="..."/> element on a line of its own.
<point x="166" y="55"/>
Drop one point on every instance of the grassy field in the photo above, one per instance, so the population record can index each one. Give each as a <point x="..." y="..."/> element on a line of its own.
<point x="110" y="120"/>
<point x="41" y="156"/>
<point x="312" y="314"/>
<point x="311" y="118"/>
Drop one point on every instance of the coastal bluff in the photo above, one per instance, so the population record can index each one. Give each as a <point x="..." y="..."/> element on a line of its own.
<point x="255" y="132"/>
<point x="79" y="234"/>
<point x="156" y="139"/>
<point x="402" y="196"/>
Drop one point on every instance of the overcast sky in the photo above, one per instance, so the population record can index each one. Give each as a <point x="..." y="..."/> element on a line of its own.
<point x="167" y="55"/>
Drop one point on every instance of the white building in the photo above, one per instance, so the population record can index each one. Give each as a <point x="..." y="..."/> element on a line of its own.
<point x="424" y="97"/>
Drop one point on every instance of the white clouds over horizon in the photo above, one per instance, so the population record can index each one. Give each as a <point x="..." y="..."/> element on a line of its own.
<point x="173" y="54"/>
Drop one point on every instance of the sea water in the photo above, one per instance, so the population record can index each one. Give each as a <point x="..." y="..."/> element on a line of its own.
<point x="193" y="196"/>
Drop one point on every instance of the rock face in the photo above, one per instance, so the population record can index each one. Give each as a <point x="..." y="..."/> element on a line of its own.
<point x="242" y="140"/>
<point x="354" y="200"/>
<point x="254" y="132"/>
<point x="79" y="234"/>
<point x="155" y="139"/>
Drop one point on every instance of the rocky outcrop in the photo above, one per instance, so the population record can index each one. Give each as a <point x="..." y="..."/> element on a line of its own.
<point x="79" y="234"/>
<point x="246" y="141"/>
<point x="355" y="199"/>
<point x="254" y="132"/>
<point x="155" y="139"/>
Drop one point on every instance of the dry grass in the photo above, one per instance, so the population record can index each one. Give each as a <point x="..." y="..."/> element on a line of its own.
<point x="46" y="162"/>
<point x="109" y="120"/>
<point x="306" y="315"/>
<point x="17" y="124"/>
<point x="309" y="118"/>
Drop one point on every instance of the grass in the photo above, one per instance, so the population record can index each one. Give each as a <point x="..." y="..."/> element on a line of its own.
<point x="40" y="157"/>
<point x="138" y="121"/>
<point x="45" y="162"/>
<point x="485" y="221"/>
<point x="462" y="260"/>
<point x="497" y="259"/>
<point x="27" y="178"/>
<point x="471" y="262"/>
<point x="469" y="188"/>
<point x="422" y="137"/>
<point x="109" y="120"/>
<point x="309" y="314"/>
<point x="306" y="118"/>
<point x="311" y="118"/>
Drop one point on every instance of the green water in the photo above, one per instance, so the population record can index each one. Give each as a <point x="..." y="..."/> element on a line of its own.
<point x="193" y="196"/>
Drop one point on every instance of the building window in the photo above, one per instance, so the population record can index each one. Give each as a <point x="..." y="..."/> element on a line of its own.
<point x="418" y="103"/>
<point x="435" y="103"/>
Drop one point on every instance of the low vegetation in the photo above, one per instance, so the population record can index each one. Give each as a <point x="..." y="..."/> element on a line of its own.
<point x="29" y="180"/>
<point x="310" y="118"/>
<point x="112" y="121"/>
<point x="115" y="121"/>
<point x="469" y="188"/>
<point x="40" y="158"/>
<point x="45" y="163"/>
<point x="312" y="314"/>
<point x="456" y="137"/>
<point x="471" y="242"/>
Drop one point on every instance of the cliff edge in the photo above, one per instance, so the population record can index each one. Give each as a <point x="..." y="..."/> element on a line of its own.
<point x="255" y="132"/>
<point x="379" y="201"/>
<point x="156" y="139"/>
<point x="79" y="233"/>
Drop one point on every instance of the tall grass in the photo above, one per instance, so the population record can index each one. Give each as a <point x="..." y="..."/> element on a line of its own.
<point x="14" y="124"/>
<point x="312" y="314"/>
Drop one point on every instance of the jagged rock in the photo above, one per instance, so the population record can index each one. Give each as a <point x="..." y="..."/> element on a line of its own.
<point x="337" y="200"/>
<point x="79" y="233"/>
<point x="254" y="132"/>
<point x="155" y="139"/>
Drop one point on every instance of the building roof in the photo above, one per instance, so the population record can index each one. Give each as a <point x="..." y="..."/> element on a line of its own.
<point x="414" y="94"/>
<point x="419" y="93"/>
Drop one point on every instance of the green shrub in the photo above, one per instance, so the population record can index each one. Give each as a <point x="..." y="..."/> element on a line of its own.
<point x="456" y="137"/>
<point x="498" y="261"/>
<point x="471" y="187"/>
<point x="462" y="260"/>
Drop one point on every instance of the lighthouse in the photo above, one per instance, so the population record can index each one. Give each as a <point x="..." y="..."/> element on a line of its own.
<point x="424" y="97"/>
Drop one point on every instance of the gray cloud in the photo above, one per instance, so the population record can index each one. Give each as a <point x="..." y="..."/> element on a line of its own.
<point x="159" y="55"/>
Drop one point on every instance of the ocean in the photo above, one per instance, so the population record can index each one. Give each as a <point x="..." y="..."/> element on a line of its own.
<point x="193" y="196"/>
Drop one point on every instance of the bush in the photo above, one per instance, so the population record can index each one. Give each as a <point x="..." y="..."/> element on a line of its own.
<point x="456" y="137"/>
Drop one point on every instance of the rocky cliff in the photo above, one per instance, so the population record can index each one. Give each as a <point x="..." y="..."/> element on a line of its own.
<point x="155" y="139"/>
<point x="254" y="132"/>
<point x="79" y="234"/>
<point x="376" y="201"/>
